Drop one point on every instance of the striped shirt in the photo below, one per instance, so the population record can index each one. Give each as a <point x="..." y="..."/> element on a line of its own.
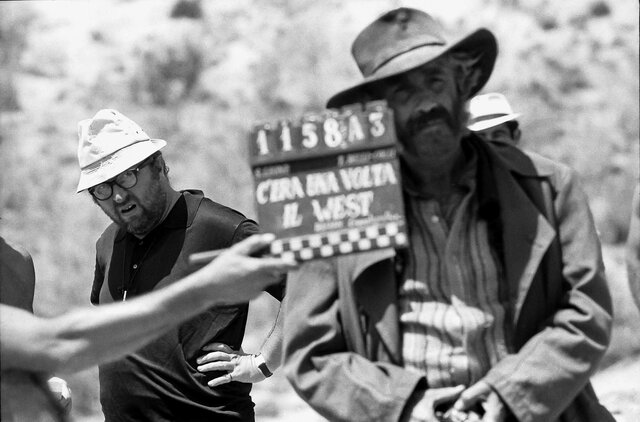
<point x="452" y="317"/>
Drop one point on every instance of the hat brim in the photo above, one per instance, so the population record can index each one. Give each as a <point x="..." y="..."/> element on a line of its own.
<point x="489" y="123"/>
<point x="480" y="41"/>
<point x="116" y="163"/>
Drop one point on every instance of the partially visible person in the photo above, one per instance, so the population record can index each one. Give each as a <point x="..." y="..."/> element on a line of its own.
<point x="17" y="287"/>
<point x="492" y="119"/>
<point x="633" y="248"/>
<point x="31" y="346"/>
<point x="154" y="231"/>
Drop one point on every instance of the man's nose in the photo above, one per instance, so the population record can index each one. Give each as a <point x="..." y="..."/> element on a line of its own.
<point x="119" y="193"/>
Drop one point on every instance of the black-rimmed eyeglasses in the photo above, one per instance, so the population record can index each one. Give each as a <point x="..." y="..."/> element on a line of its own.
<point x="126" y="180"/>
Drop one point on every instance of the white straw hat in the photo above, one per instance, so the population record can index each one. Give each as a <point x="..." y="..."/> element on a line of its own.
<point x="489" y="110"/>
<point x="110" y="143"/>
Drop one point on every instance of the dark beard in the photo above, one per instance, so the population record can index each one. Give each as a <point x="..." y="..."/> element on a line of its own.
<point x="152" y="212"/>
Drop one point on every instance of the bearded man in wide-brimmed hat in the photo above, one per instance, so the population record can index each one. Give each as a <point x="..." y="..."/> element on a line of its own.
<point x="499" y="309"/>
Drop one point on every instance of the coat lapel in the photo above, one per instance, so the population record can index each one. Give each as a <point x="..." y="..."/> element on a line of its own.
<point x="526" y="235"/>
<point x="377" y="295"/>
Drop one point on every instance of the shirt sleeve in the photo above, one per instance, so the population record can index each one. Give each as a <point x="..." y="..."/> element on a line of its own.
<point x="248" y="228"/>
<point x="338" y="383"/>
<point x="541" y="380"/>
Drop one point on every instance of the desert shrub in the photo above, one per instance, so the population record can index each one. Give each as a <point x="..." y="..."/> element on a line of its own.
<point x="600" y="8"/>
<point x="191" y="9"/>
<point x="15" y="24"/>
<point x="166" y="65"/>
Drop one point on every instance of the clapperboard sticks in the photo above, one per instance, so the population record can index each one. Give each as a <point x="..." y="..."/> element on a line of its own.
<point x="323" y="245"/>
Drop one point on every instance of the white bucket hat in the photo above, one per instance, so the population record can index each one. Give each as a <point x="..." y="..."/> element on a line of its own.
<point x="489" y="110"/>
<point x="110" y="143"/>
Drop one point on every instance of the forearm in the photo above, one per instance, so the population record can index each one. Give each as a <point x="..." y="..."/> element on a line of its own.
<point x="271" y="348"/>
<point x="541" y="380"/>
<point x="87" y="337"/>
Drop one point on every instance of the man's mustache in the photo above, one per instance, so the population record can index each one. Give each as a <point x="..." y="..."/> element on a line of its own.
<point x="422" y="118"/>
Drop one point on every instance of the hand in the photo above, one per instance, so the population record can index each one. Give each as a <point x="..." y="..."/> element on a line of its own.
<point x="234" y="276"/>
<point x="240" y="366"/>
<point x="61" y="392"/>
<point x="481" y="394"/>
<point x="433" y="397"/>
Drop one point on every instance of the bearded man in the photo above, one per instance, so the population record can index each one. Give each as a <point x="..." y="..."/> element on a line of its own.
<point x="499" y="309"/>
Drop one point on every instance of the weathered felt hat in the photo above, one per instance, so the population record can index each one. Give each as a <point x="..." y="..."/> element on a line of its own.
<point x="489" y="110"/>
<point x="404" y="39"/>
<point x="110" y="143"/>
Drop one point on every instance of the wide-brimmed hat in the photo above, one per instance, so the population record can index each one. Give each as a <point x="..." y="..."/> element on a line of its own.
<point x="404" y="39"/>
<point x="110" y="143"/>
<point x="489" y="110"/>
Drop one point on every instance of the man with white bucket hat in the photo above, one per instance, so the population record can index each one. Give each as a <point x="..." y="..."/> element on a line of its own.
<point x="155" y="229"/>
<point x="492" y="118"/>
<point x="499" y="309"/>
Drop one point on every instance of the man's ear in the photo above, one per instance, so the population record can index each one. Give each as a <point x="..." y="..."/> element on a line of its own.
<point x="470" y="81"/>
<point x="467" y="73"/>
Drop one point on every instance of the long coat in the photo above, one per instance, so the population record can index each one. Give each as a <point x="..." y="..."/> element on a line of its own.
<point x="342" y="346"/>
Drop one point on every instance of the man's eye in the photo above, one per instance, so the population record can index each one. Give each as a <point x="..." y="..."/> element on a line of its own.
<point x="126" y="176"/>
<point x="101" y="188"/>
<point x="436" y="84"/>
<point x="401" y="94"/>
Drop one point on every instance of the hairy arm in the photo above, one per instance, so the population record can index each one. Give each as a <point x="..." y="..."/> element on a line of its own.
<point x="86" y="337"/>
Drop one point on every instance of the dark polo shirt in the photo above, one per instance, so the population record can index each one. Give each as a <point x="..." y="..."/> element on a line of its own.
<point x="159" y="382"/>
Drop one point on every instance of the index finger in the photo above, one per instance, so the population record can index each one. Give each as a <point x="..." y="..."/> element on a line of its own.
<point x="478" y="391"/>
<point x="221" y="347"/>
<point x="253" y="243"/>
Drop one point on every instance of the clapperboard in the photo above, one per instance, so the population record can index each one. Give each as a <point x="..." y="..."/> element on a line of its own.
<point x="329" y="183"/>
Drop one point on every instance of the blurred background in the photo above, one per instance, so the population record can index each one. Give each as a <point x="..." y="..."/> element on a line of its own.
<point x="199" y="73"/>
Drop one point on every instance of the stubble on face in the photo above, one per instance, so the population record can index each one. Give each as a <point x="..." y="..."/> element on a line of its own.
<point x="430" y="119"/>
<point x="149" y="208"/>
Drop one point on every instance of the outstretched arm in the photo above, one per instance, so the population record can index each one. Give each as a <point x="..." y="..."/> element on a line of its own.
<point x="86" y="337"/>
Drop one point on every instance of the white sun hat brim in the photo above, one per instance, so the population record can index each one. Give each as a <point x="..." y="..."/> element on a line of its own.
<point x="478" y="125"/>
<point x="117" y="162"/>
